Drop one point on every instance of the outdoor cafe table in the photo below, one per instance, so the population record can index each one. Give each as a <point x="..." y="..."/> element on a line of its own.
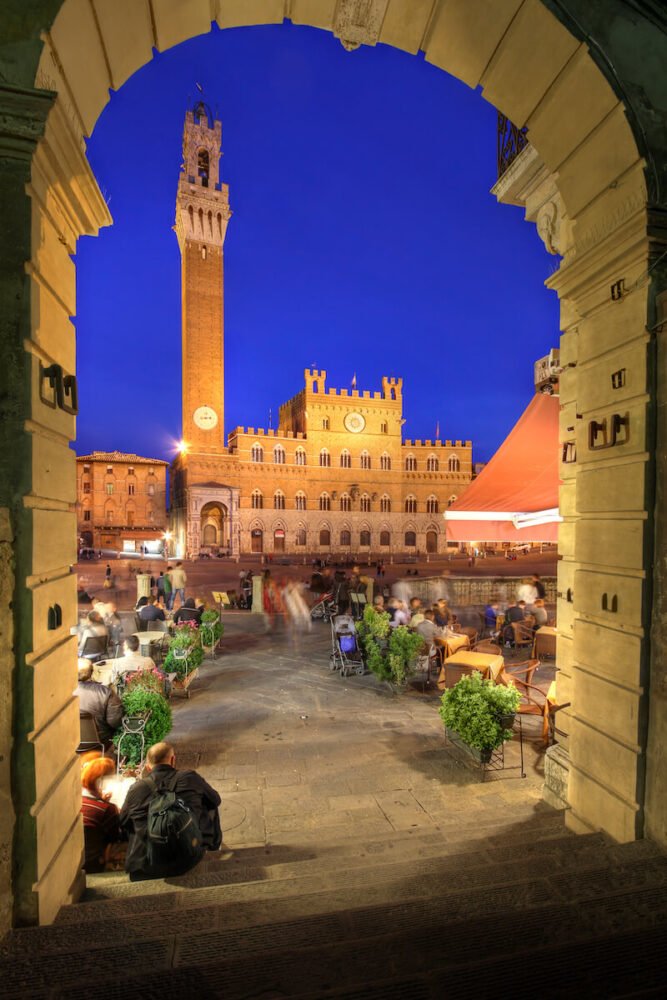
<point x="451" y="642"/>
<point x="145" y="640"/>
<point x="488" y="664"/>
<point x="544" y="643"/>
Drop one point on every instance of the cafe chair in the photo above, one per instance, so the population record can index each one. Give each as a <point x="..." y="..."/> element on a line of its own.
<point x="471" y="632"/>
<point x="95" y="648"/>
<point x="158" y="648"/>
<point x="553" y="708"/>
<point x="533" y="699"/>
<point x="523" y="635"/>
<point x="487" y="646"/>
<point x="89" y="737"/>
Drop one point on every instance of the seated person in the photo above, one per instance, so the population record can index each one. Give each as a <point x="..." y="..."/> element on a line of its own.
<point x="188" y="786"/>
<point x="101" y="827"/>
<point x="441" y="613"/>
<point x="151" y="611"/>
<point x="416" y="612"/>
<point x="490" y="616"/>
<point x="427" y="628"/>
<point x="515" y="612"/>
<point x="99" y="701"/>
<point x="188" y="612"/>
<point x="141" y="603"/>
<point x="93" y="625"/>
<point x="540" y="614"/>
<point x="132" y="659"/>
<point x="400" y="614"/>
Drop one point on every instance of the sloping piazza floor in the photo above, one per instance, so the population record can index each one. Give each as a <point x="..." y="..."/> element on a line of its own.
<point x="369" y="861"/>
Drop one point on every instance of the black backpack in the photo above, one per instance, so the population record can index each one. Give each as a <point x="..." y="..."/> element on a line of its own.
<point x="173" y="839"/>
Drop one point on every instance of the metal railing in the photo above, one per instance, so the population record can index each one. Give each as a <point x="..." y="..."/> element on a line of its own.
<point x="511" y="140"/>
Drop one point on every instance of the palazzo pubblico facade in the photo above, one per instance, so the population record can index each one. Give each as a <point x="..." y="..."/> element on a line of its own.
<point x="335" y="477"/>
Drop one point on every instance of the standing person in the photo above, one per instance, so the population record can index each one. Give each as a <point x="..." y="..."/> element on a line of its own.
<point x="107" y="576"/>
<point x="527" y="593"/>
<point x="178" y="581"/>
<point x="159" y="586"/>
<point x="168" y="589"/>
<point x="142" y="860"/>
<point x="539" y="586"/>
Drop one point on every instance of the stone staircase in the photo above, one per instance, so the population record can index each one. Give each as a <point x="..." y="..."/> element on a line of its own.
<point x="473" y="910"/>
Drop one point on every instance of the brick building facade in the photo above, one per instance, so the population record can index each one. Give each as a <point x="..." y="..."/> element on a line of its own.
<point x="335" y="476"/>
<point x="121" y="501"/>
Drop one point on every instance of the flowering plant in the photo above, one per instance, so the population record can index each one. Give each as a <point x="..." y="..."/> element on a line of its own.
<point x="152" y="680"/>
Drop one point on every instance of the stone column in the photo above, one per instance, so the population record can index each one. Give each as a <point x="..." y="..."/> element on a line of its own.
<point x="48" y="198"/>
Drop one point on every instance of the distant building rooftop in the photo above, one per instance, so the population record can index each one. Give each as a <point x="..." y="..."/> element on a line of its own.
<point x="119" y="456"/>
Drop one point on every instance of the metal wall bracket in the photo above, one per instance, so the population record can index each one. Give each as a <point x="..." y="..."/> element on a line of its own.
<point x="63" y="393"/>
<point x="610" y="437"/>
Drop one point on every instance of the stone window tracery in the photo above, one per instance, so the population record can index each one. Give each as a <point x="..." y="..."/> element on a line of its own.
<point x="411" y="464"/>
<point x="453" y="464"/>
<point x="410" y="505"/>
<point x="385" y="504"/>
<point x="432" y="505"/>
<point x="325" y="458"/>
<point x="365" y="460"/>
<point x="257" y="500"/>
<point x="325" y="501"/>
<point x="257" y="453"/>
<point x="385" y="462"/>
<point x="432" y="463"/>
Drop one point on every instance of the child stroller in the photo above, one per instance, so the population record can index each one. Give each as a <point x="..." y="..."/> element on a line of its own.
<point x="346" y="654"/>
<point x="326" y="607"/>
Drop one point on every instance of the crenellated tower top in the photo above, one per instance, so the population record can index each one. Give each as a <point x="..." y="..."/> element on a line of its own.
<point x="202" y="202"/>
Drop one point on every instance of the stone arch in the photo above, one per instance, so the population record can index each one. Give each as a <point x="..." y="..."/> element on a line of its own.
<point x="214" y="525"/>
<point x="534" y="69"/>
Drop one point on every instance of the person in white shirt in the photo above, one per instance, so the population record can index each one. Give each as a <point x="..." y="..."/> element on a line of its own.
<point x="401" y="615"/>
<point x="178" y="581"/>
<point x="133" y="659"/>
<point x="93" y="625"/>
<point x="527" y="592"/>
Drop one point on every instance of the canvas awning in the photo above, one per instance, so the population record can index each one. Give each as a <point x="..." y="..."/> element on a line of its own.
<point x="515" y="496"/>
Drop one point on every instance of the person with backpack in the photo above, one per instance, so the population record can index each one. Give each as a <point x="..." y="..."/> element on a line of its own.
<point x="171" y="818"/>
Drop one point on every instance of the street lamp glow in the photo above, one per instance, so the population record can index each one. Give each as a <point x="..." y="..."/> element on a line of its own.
<point x="183" y="447"/>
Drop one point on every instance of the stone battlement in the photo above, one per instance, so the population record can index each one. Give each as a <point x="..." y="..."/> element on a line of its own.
<point x="436" y="444"/>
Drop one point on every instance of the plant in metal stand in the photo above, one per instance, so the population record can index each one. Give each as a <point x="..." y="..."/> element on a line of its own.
<point x="479" y="714"/>
<point x="211" y="631"/>
<point x="185" y="654"/>
<point x="146" y="721"/>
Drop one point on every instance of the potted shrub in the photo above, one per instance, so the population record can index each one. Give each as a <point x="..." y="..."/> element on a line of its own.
<point x="185" y="655"/>
<point x="389" y="652"/>
<point x="479" y="714"/>
<point x="143" y="703"/>
<point x="211" y="629"/>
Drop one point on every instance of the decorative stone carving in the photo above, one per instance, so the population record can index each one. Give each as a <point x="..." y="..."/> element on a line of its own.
<point x="359" y="22"/>
<point x="548" y="225"/>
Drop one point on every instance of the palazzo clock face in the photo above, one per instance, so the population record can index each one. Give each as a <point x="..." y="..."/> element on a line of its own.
<point x="354" y="422"/>
<point x="205" y="418"/>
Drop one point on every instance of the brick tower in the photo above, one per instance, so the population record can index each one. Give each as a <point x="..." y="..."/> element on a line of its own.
<point x="202" y="214"/>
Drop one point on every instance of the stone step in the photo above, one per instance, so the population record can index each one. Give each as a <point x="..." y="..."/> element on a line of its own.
<point x="119" y="918"/>
<point x="365" y="854"/>
<point x="338" y="955"/>
<point x="233" y="933"/>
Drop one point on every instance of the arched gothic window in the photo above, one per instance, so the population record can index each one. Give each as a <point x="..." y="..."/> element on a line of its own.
<point x="411" y="464"/>
<point x="300" y="456"/>
<point x="325" y="501"/>
<point x="410" y="539"/>
<point x="345" y="459"/>
<point x="432" y="505"/>
<point x="279" y="500"/>
<point x="300" y="501"/>
<point x="432" y="463"/>
<point x="203" y="166"/>
<point x="453" y="464"/>
<point x="365" y="460"/>
<point x="410" y="505"/>
<point x="279" y="455"/>
<point x="346" y="502"/>
<point x="385" y="462"/>
<point x="257" y="453"/>
<point x="385" y="504"/>
<point x="325" y="458"/>
<point x="365" y="503"/>
<point x="257" y="499"/>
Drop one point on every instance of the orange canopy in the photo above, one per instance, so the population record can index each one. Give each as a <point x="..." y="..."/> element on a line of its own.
<point x="515" y="496"/>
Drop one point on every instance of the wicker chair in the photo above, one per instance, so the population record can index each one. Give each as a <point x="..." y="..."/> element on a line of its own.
<point x="487" y="646"/>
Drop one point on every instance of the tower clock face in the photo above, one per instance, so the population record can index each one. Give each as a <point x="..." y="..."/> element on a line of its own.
<point x="354" y="422"/>
<point x="205" y="418"/>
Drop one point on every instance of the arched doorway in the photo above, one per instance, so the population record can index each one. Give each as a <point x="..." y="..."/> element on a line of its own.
<point x="532" y="67"/>
<point x="214" y="526"/>
<point x="431" y="541"/>
<point x="279" y="540"/>
<point x="256" y="540"/>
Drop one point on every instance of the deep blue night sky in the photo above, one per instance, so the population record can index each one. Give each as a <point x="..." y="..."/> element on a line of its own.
<point x="363" y="239"/>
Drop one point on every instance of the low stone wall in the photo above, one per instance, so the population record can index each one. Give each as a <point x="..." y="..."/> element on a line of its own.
<point x="466" y="591"/>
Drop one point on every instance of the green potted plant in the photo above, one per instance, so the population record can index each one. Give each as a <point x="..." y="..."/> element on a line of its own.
<point x="185" y="654"/>
<point x="479" y="714"/>
<point x="143" y="703"/>
<point x="389" y="652"/>
<point x="211" y="629"/>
